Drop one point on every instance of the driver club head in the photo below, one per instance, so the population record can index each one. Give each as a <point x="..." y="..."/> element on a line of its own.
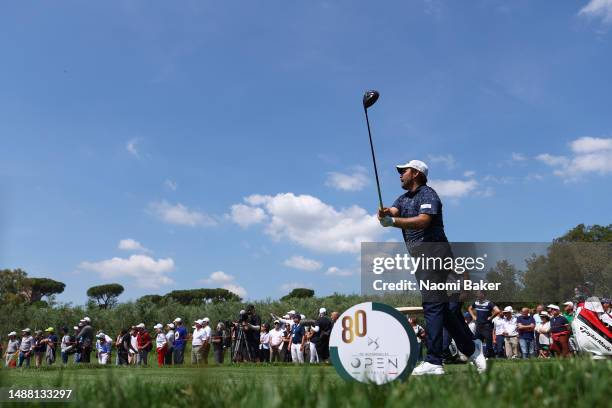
<point x="370" y="98"/>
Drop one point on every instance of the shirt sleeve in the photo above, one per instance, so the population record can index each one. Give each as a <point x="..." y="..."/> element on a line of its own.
<point x="429" y="203"/>
<point x="397" y="204"/>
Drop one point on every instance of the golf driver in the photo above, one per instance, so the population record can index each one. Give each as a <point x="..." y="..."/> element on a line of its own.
<point x="369" y="99"/>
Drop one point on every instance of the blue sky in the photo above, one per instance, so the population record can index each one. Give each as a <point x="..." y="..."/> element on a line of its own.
<point x="167" y="146"/>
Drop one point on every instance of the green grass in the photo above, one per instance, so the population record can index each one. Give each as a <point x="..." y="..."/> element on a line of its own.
<point x="558" y="383"/>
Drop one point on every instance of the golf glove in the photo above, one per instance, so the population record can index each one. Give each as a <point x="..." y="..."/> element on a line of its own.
<point x="387" y="221"/>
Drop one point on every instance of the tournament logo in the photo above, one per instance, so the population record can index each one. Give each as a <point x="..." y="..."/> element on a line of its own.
<point x="373" y="342"/>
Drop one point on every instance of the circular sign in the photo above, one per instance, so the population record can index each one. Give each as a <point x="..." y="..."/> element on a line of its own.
<point x="373" y="342"/>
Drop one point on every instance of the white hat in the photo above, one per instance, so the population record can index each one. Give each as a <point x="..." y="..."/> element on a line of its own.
<point x="302" y="317"/>
<point x="177" y="320"/>
<point x="551" y="306"/>
<point x="286" y="316"/>
<point x="508" y="309"/>
<point x="206" y="319"/>
<point x="569" y="303"/>
<point x="415" y="164"/>
<point x="291" y="312"/>
<point x="170" y="325"/>
<point x="242" y="311"/>
<point x="12" y="334"/>
<point x="199" y="321"/>
<point x="87" y="319"/>
<point x="75" y="328"/>
<point x="101" y="336"/>
<point x="544" y="313"/>
<point x="322" y="310"/>
<point x="27" y="329"/>
<point x="158" y="326"/>
<point x="140" y="326"/>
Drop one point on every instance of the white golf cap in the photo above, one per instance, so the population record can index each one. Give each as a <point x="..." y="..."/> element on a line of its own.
<point x="75" y="328"/>
<point x="140" y="326"/>
<point x="12" y="333"/>
<point x="170" y="325"/>
<point x="544" y="313"/>
<point x="291" y="312"/>
<point x="206" y="319"/>
<point x="87" y="319"/>
<point x="178" y="320"/>
<point x="27" y="329"/>
<point x="302" y="317"/>
<point x="508" y="309"/>
<point x="158" y="326"/>
<point x="569" y="303"/>
<point x="100" y="335"/>
<point x="415" y="164"/>
<point x="551" y="306"/>
<point x="199" y="321"/>
<point x="322" y="310"/>
<point x="286" y="317"/>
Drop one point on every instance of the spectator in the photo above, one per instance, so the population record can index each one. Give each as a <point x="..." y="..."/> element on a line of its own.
<point x="25" y="348"/>
<point x="180" y="339"/>
<point x="536" y="317"/>
<point x="170" y="341"/>
<point x="526" y="326"/>
<point x="264" y="343"/>
<point x="12" y="350"/>
<point x="124" y="347"/>
<point x="297" y="340"/>
<point x="334" y="317"/>
<point x="161" y="344"/>
<point x="559" y="331"/>
<point x="510" y="333"/>
<point x="276" y="342"/>
<point x="543" y="331"/>
<point x="144" y="345"/>
<point x="252" y="330"/>
<point x="313" y="357"/>
<point x="133" y="351"/>
<point x="206" y="340"/>
<point x="498" y="339"/>
<point x="483" y="312"/>
<point x="51" y="344"/>
<point x="103" y="349"/>
<point x="197" y="340"/>
<point x="38" y="347"/>
<point x="419" y="331"/>
<point x="568" y="313"/>
<point x="217" y="342"/>
<point x="85" y="337"/>
<point x="286" y="346"/>
<point x="322" y="331"/>
<point x="77" y="342"/>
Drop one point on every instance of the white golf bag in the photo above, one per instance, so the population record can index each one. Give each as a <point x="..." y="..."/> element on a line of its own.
<point x="592" y="329"/>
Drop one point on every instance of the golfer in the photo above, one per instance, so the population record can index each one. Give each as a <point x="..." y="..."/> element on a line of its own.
<point x="418" y="213"/>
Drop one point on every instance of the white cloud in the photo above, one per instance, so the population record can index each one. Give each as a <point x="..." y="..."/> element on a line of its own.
<point x="245" y="215"/>
<point x="313" y="224"/>
<point x="148" y="272"/>
<point x="453" y="188"/>
<point x="335" y="271"/>
<point x="590" y="155"/>
<point x="170" y="184"/>
<point x="132" y="147"/>
<point x="239" y="290"/>
<point x="354" y="181"/>
<point x="518" y="157"/>
<point x="224" y="281"/>
<point x="178" y="214"/>
<point x="218" y="277"/>
<point x="130" y="244"/>
<point x="598" y="9"/>
<point x="289" y="286"/>
<point x="446" y="159"/>
<point x="469" y="173"/>
<point x="305" y="264"/>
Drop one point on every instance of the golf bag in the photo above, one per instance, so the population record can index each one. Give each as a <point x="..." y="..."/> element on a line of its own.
<point x="591" y="327"/>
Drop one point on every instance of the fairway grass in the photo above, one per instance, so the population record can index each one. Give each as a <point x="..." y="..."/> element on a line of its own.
<point x="560" y="383"/>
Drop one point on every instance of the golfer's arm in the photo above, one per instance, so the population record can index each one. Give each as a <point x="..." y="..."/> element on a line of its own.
<point x="421" y="221"/>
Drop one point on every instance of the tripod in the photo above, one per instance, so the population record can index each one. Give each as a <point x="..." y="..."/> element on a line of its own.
<point x="241" y="347"/>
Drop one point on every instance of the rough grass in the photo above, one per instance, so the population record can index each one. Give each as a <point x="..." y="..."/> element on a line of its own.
<point x="558" y="383"/>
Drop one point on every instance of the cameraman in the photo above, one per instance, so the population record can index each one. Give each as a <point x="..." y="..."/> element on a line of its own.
<point x="252" y="330"/>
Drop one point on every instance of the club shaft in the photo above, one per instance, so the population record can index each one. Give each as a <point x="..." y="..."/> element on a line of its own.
<point x="380" y="202"/>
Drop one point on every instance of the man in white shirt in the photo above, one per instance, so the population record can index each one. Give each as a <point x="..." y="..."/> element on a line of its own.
<point x="498" y="336"/>
<point x="276" y="342"/>
<point x="510" y="333"/>
<point x="206" y="340"/>
<point x="197" y="341"/>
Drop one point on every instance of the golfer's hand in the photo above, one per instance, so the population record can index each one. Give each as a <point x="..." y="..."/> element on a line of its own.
<point x="383" y="212"/>
<point x="386" y="221"/>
